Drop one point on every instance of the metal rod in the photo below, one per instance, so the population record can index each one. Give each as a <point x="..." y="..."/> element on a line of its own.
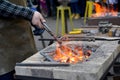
<point x="79" y="38"/>
<point x="43" y="43"/>
<point x="47" y="56"/>
<point x="93" y="39"/>
<point x="51" y="33"/>
<point x="43" y="64"/>
<point x="47" y="39"/>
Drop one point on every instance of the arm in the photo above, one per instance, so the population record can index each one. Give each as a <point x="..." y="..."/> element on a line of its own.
<point x="8" y="9"/>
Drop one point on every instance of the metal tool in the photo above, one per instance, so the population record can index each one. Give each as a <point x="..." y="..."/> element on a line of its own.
<point x="79" y="38"/>
<point x="47" y="57"/>
<point x="51" y="33"/>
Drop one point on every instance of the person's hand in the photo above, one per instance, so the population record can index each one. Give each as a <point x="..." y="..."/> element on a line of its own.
<point x="38" y="19"/>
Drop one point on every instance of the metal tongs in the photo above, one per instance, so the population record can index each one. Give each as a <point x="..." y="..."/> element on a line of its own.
<point x="51" y="33"/>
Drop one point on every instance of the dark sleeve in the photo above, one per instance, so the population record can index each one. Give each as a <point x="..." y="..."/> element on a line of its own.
<point x="8" y="9"/>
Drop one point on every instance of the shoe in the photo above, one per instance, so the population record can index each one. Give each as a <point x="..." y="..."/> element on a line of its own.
<point x="77" y="16"/>
<point x="73" y="15"/>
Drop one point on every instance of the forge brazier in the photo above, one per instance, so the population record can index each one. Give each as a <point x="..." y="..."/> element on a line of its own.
<point x="92" y="69"/>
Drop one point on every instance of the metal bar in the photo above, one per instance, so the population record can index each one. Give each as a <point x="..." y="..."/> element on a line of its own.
<point x="43" y="43"/>
<point x="21" y="77"/>
<point x="43" y="64"/>
<point x="78" y="38"/>
<point x="94" y="37"/>
<point x="47" y="39"/>
<point x="47" y="56"/>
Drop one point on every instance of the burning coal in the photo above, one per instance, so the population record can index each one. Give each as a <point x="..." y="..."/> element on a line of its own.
<point x="72" y="53"/>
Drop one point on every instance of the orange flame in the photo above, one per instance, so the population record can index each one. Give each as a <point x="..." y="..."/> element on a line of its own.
<point x="67" y="55"/>
<point x="102" y="11"/>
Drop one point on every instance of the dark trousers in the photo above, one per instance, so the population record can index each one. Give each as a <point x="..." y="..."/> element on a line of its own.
<point x="7" y="76"/>
<point x="82" y="5"/>
<point x="51" y="5"/>
<point x="119" y="5"/>
<point x="75" y="8"/>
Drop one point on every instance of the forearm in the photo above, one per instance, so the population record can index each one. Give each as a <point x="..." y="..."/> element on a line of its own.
<point x="8" y="9"/>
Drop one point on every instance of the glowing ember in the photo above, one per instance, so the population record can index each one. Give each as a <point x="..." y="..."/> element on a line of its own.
<point x="71" y="54"/>
<point x="102" y="10"/>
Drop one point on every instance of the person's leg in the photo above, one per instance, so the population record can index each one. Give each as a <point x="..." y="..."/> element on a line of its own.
<point x="8" y="76"/>
<point x="118" y="5"/>
<point x="53" y="7"/>
<point x="77" y="10"/>
<point x="82" y="6"/>
<point x="72" y="9"/>
<point x="48" y="7"/>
